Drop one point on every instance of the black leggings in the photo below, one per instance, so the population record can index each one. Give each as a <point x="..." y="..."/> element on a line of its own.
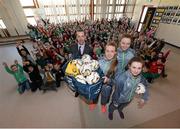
<point x="119" y="108"/>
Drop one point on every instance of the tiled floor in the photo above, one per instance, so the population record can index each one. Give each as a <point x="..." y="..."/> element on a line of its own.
<point x="62" y="109"/>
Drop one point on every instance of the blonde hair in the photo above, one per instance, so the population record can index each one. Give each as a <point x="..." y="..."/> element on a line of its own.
<point x="114" y="63"/>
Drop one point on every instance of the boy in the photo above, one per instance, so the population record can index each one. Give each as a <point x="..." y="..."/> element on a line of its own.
<point x="17" y="71"/>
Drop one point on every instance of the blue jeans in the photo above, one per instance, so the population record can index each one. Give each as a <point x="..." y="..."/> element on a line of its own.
<point x="23" y="86"/>
<point x="105" y="94"/>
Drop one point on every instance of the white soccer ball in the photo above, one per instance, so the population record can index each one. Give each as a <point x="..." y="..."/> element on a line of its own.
<point x="78" y="63"/>
<point x="85" y="70"/>
<point x="93" y="78"/>
<point x="81" y="79"/>
<point x="140" y="89"/>
<point x="94" y="65"/>
<point x="86" y="58"/>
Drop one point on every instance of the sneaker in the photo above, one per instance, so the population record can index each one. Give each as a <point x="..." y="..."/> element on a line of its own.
<point x="121" y="114"/>
<point x="110" y="116"/>
<point x="103" y="108"/>
<point x="92" y="106"/>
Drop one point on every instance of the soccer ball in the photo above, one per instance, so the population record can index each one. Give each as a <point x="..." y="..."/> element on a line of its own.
<point x="78" y="63"/>
<point x="93" y="78"/>
<point x="80" y="79"/>
<point x="94" y="65"/>
<point x="140" y="89"/>
<point x="86" y="58"/>
<point x="85" y="70"/>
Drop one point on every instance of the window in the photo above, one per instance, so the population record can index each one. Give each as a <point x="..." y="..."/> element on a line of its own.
<point x="111" y="2"/>
<point x="119" y="9"/>
<point x="120" y="1"/>
<point x="29" y="9"/>
<point x="77" y="9"/>
<point x="72" y="10"/>
<point x="29" y="12"/>
<point x="31" y="20"/>
<point x="27" y="2"/>
<point x="51" y="2"/>
<point x="110" y="9"/>
<point x="61" y="10"/>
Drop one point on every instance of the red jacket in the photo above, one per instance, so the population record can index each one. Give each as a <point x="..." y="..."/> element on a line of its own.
<point x="153" y="67"/>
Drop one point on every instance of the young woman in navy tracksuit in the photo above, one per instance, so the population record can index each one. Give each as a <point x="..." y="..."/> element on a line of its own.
<point x="105" y="62"/>
<point x="125" y="87"/>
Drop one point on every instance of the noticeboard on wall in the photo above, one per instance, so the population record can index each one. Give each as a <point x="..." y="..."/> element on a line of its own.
<point x="157" y="17"/>
<point x="171" y="15"/>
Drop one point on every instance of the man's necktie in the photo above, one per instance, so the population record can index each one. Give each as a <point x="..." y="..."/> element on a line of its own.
<point x="80" y="50"/>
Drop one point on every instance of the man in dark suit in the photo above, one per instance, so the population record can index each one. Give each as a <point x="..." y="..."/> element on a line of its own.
<point x="80" y="47"/>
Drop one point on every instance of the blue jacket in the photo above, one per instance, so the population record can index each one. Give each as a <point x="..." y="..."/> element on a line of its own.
<point x="123" y="58"/>
<point x="125" y="86"/>
<point x="104" y="64"/>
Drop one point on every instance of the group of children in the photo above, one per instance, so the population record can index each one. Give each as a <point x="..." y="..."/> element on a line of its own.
<point x="133" y="60"/>
<point x="44" y="73"/>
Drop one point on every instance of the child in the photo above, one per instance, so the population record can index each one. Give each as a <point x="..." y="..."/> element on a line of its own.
<point x="148" y="75"/>
<point x="58" y="74"/>
<point x="161" y="62"/>
<point x="40" y="60"/>
<point x="105" y="63"/>
<point x="49" y="80"/>
<point x="125" y="87"/>
<point x="97" y="50"/>
<point x="35" y="77"/>
<point x="124" y="53"/>
<point x="24" y="53"/>
<point x="17" y="71"/>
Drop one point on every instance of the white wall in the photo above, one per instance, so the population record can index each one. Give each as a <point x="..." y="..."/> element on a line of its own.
<point x="168" y="32"/>
<point x="13" y="16"/>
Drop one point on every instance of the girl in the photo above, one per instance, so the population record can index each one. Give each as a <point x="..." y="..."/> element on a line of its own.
<point x="105" y="63"/>
<point x="124" y="53"/>
<point x="125" y="87"/>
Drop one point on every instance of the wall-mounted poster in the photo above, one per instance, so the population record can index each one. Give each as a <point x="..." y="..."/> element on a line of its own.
<point x="170" y="7"/>
<point x="174" y="20"/>
<point x="168" y="21"/>
<point x="178" y="13"/>
<point x="175" y="7"/>
<point x="171" y="15"/>
<point x="178" y="22"/>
